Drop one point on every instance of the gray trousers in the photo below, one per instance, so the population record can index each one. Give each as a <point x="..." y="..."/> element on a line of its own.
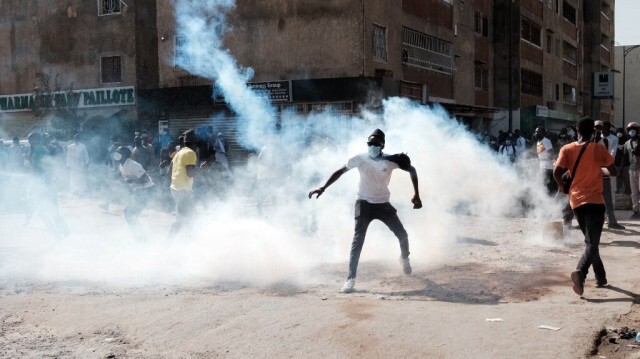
<point x="366" y="212"/>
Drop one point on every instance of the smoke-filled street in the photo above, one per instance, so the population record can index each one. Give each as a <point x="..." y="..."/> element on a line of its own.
<point x="101" y="294"/>
<point x="317" y="179"/>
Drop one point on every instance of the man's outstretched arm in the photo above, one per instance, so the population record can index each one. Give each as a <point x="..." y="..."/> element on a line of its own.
<point x="417" y="202"/>
<point x="334" y="177"/>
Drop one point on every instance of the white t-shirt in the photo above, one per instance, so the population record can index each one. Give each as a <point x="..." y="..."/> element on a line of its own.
<point x="133" y="170"/>
<point x="544" y="156"/>
<point x="374" y="177"/>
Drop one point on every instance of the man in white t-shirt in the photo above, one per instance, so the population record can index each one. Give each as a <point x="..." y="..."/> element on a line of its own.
<point x="372" y="201"/>
<point x="140" y="183"/>
<point x="544" y="148"/>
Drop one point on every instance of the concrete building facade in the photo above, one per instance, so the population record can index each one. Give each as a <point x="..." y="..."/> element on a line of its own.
<point x="89" y="52"/>
<point x="627" y="85"/>
<point x="345" y="55"/>
<point x="553" y="48"/>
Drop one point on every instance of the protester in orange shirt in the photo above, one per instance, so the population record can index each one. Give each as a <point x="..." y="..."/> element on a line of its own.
<point x="585" y="197"/>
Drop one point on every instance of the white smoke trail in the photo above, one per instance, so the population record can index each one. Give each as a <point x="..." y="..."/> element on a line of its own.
<point x="263" y="229"/>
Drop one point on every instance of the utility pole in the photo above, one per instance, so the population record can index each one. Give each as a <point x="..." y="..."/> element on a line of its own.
<point x="625" y="52"/>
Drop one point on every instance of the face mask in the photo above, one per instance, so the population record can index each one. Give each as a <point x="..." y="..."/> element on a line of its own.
<point x="144" y="135"/>
<point x="493" y="142"/>
<point x="136" y="133"/>
<point x="619" y="135"/>
<point x="374" y="151"/>
<point x="571" y="133"/>
<point x="508" y="143"/>
<point x="632" y="133"/>
<point x="117" y="156"/>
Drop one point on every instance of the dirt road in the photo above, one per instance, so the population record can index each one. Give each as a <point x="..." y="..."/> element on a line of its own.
<point x="487" y="302"/>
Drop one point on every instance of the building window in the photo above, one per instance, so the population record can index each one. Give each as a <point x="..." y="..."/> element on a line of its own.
<point x="481" y="24"/>
<point x="549" y="4"/>
<point x="557" y="92"/>
<point x="557" y="7"/>
<point x="481" y="77"/>
<point x="531" y="32"/>
<point x="549" y="90"/>
<point x="569" y="53"/>
<point x="111" y="69"/>
<point x="178" y="52"/>
<point x="549" y="43"/>
<point x="531" y="82"/>
<point x="569" y="12"/>
<point x="379" y="42"/>
<point x="569" y="94"/>
<point x="108" y="7"/>
<point x="605" y="42"/>
<point x="426" y="52"/>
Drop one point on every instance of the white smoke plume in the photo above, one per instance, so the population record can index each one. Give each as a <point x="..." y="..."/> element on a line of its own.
<point x="260" y="228"/>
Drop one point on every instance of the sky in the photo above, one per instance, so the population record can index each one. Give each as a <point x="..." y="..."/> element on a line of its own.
<point x="626" y="22"/>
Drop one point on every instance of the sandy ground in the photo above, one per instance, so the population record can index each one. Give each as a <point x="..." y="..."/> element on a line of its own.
<point x="440" y="311"/>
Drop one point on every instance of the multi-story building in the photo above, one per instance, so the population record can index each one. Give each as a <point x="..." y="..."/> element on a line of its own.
<point x="95" y="58"/>
<point x="627" y="83"/>
<point x="340" y="55"/>
<point x="546" y="51"/>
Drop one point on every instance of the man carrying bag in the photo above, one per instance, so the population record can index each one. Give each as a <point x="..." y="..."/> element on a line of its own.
<point x="585" y="197"/>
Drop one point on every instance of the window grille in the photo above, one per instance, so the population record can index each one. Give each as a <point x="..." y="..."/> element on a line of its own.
<point x="531" y="82"/>
<point x="531" y="32"/>
<point x="379" y="42"/>
<point x="426" y="52"/>
<point x="111" y="68"/>
<point x="108" y="7"/>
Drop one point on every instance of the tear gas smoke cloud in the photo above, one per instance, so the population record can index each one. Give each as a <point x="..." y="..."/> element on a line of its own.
<point x="263" y="229"/>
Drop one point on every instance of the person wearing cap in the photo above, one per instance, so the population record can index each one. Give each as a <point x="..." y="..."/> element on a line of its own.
<point x="372" y="202"/>
<point x="544" y="149"/>
<point x="183" y="170"/>
<point x="603" y="136"/>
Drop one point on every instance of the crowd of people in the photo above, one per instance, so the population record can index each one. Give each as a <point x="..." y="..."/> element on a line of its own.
<point x="136" y="170"/>
<point x="139" y="170"/>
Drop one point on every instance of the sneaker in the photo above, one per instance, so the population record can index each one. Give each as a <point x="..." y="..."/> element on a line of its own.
<point x="348" y="285"/>
<point x="635" y="215"/>
<point x="578" y="282"/>
<point x="615" y="226"/>
<point x="602" y="284"/>
<point x="406" y="266"/>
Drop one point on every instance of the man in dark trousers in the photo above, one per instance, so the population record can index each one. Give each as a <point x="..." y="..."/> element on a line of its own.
<point x="372" y="201"/>
<point x="585" y="197"/>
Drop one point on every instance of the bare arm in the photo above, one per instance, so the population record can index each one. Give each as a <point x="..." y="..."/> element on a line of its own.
<point x="557" y="175"/>
<point x="417" y="202"/>
<point x="334" y="177"/>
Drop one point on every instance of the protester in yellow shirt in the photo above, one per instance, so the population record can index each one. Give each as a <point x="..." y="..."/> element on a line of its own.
<point x="183" y="170"/>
